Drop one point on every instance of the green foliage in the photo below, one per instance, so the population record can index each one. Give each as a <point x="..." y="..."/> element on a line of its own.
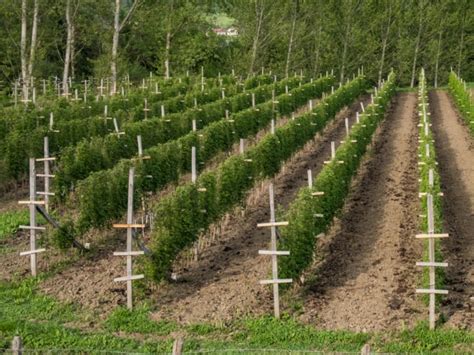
<point x="463" y="99"/>
<point x="63" y="237"/>
<point x="181" y="216"/>
<point x="10" y="222"/>
<point x="169" y="160"/>
<point x="334" y="180"/>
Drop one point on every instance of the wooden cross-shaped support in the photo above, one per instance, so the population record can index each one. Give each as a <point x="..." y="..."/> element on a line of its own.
<point x="116" y="127"/>
<point x="346" y="123"/>
<point x="32" y="227"/>
<point x="101" y="88"/>
<point x="129" y="253"/>
<point x="47" y="174"/>
<point x="146" y="109"/>
<point x="432" y="263"/>
<point x="76" y="96"/>
<point x="51" y="123"/>
<point x="274" y="253"/>
<point x="333" y="154"/>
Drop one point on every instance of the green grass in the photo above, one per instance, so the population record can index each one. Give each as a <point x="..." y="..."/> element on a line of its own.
<point x="44" y="323"/>
<point x="10" y="221"/>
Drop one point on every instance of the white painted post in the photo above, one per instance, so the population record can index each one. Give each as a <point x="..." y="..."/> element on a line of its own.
<point x="357" y="117"/>
<point x="32" y="208"/>
<point x="194" y="126"/>
<point x="44" y="86"/>
<point x="162" y="110"/>
<point x="51" y="121"/>
<point x="273" y="252"/>
<point x="193" y="165"/>
<point x="276" y="296"/>
<point x="129" y="236"/>
<point x="310" y="104"/>
<point x="272" y="130"/>
<point x="241" y="147"/>
<point x="333" y="150"/>
<point x="140" y="147"/>
<point x="310" y="178"/>
<point x="346" y="121"/>
<point x="286" y="89"/>
<point x="253" y="100"/>
<point x="431" y="254"/>
<point x="362" y="106"/>
<point x="146" y="109"/>
<point x="46" y="173"/>
<point x="105" y="111"/>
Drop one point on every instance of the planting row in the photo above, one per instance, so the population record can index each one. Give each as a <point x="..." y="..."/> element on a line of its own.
<point x="104" y="152"/>
<point x="187" y="212"/>
<point x="102" y="196"/>
<point x="314" y="208"/>
<point x="430" y="183"/>
<point x="463" y="99"/>
<point x="19" y="145"/>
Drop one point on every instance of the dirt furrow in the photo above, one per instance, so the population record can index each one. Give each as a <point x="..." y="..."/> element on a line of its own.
<point x="366" y="277"/>
<point x="223" y="284"/>
<point x="455" y="150"/>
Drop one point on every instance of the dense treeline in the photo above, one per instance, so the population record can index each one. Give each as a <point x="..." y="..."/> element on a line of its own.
<point x="169" y="37"/>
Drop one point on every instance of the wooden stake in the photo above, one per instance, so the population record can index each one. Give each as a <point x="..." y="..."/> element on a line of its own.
<point x="129" y="253"/>
<point x="46" y="173"/>
<point x="275" y="281"/>
<point x="310" y="178"/>
<point x="193" y="165"/>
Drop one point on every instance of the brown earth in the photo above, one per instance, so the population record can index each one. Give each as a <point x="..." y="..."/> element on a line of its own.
<point x="365" y="278"/>
<point x="455" y="151"/>
<point x="223" y="284"/>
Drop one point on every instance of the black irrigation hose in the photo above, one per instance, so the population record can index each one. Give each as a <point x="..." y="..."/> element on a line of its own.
<point x="56" y="225"/>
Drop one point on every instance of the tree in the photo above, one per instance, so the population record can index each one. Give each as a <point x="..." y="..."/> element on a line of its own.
<point x="118" y="26"/>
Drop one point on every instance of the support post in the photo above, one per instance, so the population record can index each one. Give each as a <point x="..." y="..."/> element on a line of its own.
<point x="129" y="253"/>
<point x="274" y="253"/>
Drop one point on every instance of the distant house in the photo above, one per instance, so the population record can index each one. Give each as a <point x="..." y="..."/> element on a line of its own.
<point x="230" y="32"/>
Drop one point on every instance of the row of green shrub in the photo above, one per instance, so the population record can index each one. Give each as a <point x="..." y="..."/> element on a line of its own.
<point x="28" y="117"/>
<point x="99" y="153"/>
<point x="102" y="196"/>
<point x="427" y="163"/>
<point x="463" y="99"/>
<point x="184" y="214"/>
<point x="21" y="144"/>
<point x="299" y="237"/>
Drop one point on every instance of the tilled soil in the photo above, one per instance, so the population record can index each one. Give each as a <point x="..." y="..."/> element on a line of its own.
<point x="365" y="278"/>
<point x="224" y="283"/>
<point x="455" y="151"/>
<point x="89" y="281"/>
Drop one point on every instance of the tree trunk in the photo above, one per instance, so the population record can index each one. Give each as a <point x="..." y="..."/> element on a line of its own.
<point x="73" y="51"/>
<point x="438" y="52"/>
<point x="344" y="53"/>
<point x="24" y="66"/>
<point x="290" y="44"/>
<point x="461" y="44"/>
<point x="417" y="47"/>
<point x="67" y="56"/>
<point x="384" y="43"/>
<point x="34" y="33"/>
<point x="167" y="55"/>
<point x="259" y="18"/>
<point x="317" y="50"/>
<point x="115" y="41"/>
